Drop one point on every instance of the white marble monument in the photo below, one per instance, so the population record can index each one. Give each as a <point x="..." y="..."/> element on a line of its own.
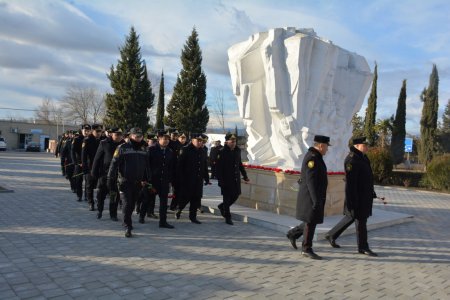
<point x="291" y="85"/>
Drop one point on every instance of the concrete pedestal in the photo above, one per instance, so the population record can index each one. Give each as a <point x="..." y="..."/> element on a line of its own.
<point x="277" y="193"/>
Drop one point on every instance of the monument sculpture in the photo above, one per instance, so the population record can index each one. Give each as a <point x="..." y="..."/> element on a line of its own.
<point x="290" y="85"/>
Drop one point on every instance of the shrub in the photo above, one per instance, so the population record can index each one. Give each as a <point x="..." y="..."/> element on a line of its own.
<point x="406" y="178"/>
<point x="438" y="173"/>
<point x="381" y="163"/>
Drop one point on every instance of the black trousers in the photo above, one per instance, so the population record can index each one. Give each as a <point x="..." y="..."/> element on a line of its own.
<point x="308" y="236"/>
<point x="91" y="183"/>
<point x="149" y="203"/>
<point x="194" y="203"/>
<point x="305" y="229"/>
<point x="297" y="231"/>
<point x="361" y="230"/>
<point x="102" y="192"/>
<point x="213" y="170"/>
<point x="228" y="200"/>
<point x="63" y="169"/>
<point x="129" y="193"/>
<point x="175" y="200"/>
<point x="69" y="174"/>
<point x="78" y="181"/>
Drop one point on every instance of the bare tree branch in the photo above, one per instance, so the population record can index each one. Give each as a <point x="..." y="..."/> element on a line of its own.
<point x="44" y="111"/>
<point x="219" y="111"/>
<point x="83" y="104"/>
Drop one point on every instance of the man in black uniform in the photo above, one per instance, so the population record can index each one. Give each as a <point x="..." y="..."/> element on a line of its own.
<point x="131" y="168"/>
<point x="59" y="148"/>
<point x="88" y="150"/>
<point x="66" y="157"/>
<point x="175" y="184"/>
<point x="192" y="171"/>
<point x="161" y="159"/>
<point x="229" y="168"/>
<point x="359" y="195"/>
<point x="174" y="144"/>
<point x="311" y="196"/>
<point x="213" y="158"/>
<point x="146" y="201"/>
<point x="76" y="158"/>
<point x="100" y="167"/>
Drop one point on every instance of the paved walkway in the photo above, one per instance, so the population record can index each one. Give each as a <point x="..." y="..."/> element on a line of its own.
<point x="52" y="247"/>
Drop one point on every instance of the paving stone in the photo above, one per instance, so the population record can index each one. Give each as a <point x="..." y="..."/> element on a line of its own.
<point x="53" y="247"/>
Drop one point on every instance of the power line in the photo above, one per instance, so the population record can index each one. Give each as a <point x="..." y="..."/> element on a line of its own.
<point x="18" y="109"/>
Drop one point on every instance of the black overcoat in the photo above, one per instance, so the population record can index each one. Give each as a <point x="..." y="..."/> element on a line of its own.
<point x="88" y="150"/>
<point x="103" y="157"/>
<point x="359" y="191"/>
<point x="162" y="166"/>
<point x="312" y="191"/>
<point x="192" y="171"/>
<point x="229" y="167"/>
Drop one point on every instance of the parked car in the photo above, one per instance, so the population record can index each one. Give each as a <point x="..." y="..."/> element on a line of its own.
<point x="2" y="144"/>
<point x="33" y="147"/>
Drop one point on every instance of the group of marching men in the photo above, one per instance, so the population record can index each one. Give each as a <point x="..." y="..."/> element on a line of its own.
<point x="133" y="171"/>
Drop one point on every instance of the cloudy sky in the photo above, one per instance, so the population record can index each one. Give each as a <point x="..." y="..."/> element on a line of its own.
<point x="48" y="45"/>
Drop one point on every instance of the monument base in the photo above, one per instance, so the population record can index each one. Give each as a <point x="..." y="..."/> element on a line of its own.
<point x="276" y="192"/>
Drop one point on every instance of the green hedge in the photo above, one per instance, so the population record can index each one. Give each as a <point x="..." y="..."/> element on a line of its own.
<point x="405" y="178"/>
<point x="438" y="173"/>
<point x="381" y="163"/>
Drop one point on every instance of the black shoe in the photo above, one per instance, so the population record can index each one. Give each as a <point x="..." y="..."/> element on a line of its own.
<point x="85" y="199"/>
<point x="114" y="218"/>
<point x="311" y="254"/>
<point x="128" y="233"/>
<point x="153" y="216"/>
<point x="141" y="220"/>
<point x="79" y="200"/>
<point x="367" y="252"/>
<point x="222" y="212"/>
<point x="178" y="214"/>
<point x="166" y="225"/>
<point x="332" y="242"/>
<point x="91" y="207"/>
<point x="195" y="221"/>
<point x="292" y="240"/>
<point x="229" y="222"/>
<point x="74" y="191"/>
<point x="200" y="210"/>
<point x="99" y="215"/>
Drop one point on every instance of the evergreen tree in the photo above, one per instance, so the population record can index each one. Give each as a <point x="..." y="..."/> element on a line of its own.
<point x="428" y="122"/>
<point x="187" y="110"/>
<point x="371" y="111"/>
<point x="444" y="131"/>
<point x="160" y="111"/>
<point x="358" y="126"/>
<point x="132" y="93"/>
<point x="398" y="128"/>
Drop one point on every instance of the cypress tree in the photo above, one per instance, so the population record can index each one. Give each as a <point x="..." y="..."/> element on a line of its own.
<point x="187" y="110"/>
<point x="160" y="111"/>
<point x="398" y="127"/>
<point x="132" y="93"/>
<point x="428" y="122"/>
<point x="358" y="126"/>
<point x="371" y="111"/>
<point x="444" y="130"/>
